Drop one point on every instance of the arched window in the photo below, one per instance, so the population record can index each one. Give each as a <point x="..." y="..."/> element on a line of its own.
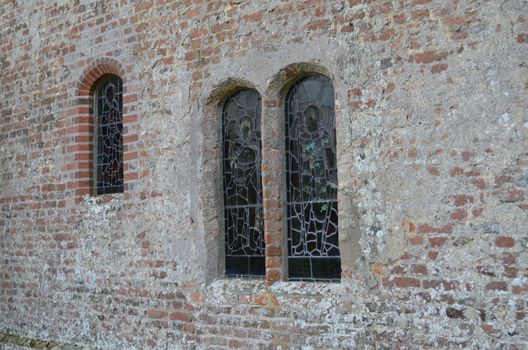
<point x="311" y="175"/>
<point x="108" y="135"/>
<point x="244" y="229"/>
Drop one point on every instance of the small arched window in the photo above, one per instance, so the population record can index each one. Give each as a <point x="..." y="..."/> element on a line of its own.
<point x="311" y="175"/>
<point x="243" y="214"/>
<point x="108" y="135"/>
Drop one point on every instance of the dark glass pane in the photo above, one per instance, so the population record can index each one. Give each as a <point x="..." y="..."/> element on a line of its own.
<point x="311" y="174"/>
<point x="309" y="269"/>
<point x="242" y="185"/>
<point x="109" y="139"/>
<point x="245" y="265"/>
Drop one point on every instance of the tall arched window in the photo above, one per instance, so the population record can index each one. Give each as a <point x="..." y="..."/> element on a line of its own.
<point x="108" y="135"/>
<point x="311" y="175"/>
<point x="244" y="229"/>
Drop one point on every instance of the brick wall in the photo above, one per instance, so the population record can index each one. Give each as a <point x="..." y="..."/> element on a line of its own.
<point x="431" y="100"/>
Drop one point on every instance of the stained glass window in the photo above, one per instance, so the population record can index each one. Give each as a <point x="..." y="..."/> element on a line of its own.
<point x="244" y="229"/>
<point x="108" y="135"/>
<point x="311" y="175"/>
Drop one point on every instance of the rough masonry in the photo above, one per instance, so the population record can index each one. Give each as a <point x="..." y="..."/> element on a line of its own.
<point x="432" y="129"/>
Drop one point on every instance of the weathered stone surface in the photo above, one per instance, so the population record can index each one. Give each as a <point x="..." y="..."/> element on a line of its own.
<point x="431" y="101"/>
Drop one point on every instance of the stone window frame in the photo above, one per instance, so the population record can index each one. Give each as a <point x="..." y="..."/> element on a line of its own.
<point x="305" y="265"/>
<point x="80" y="131"/>
<point x="255" y="125"/>
<point x="273" y="175"/>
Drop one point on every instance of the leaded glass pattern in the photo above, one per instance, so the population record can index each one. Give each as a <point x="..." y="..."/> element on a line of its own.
<point x="311" y="175"/>
<point x="244" y="233"/>
<point x="108" y="135"/>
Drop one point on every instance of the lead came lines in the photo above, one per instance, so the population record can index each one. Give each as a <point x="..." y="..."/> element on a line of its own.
<point x="242" y="183"/>
<point x="312" y="180"/>
<point x="109" y="136"/>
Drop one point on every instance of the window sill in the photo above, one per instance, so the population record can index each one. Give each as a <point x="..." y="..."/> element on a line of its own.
<point x="244" y="277"/>
<point x="247" y="285"/>
<point x="102" y="199"/>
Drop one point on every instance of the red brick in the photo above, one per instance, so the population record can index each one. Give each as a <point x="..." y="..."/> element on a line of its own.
<point x="78" y="129"/>
<point x="377" y="269"/>
<point x="432" y="254"/>
<point x="479" y="183"/>
<point x="489" y="329"/>
<point x="443" y="284"/>
<point x="514" y="196"/>
<point x="79" y="110"/>
<point x="130" y="156"/>
<point x="273" y="274"/>
<point x="510" y="272"/>
<point x="419" y="269"/>
<point x="429" y="56"/>
<point x="78" y="147"/>
<point x="130" y="176"/>
<point x="504" y="242"/>
<point x="401" y="282"/>
<point x="456" y="171"/>
<point x="254" y="17"/>
<point x="416" y="240"/>
<point x="520" y="289"/>
<point x="321" y="24"/>
<point x="497" y="286"/>
<point x="272" y="262"/>
<point x="433" y="170"/>
<point x="156" y="314"/>
<point x="437" y="68"/>
<point x="459" y="214"/>
<point x="273" y="251"/>
<point x="355" y="92"/>
<point x="426" y="228"/>
<point x="130" y="118"/>
<point x="129" y="98"/>
<point x="463" y="199"/>
<point x="437" y="241"/>
<point x="501" y="180"/>
<point x="386" y="34"/>
<point x="180" y="316"/>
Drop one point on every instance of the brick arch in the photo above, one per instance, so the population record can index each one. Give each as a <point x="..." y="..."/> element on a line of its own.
<point x="225" y="89"/>
<point x="80" y="125"/>
<point x="281" y="83"/>
<point x="95" y="70"/>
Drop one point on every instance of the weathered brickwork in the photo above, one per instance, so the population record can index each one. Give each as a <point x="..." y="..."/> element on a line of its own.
<point x="432" y="147"/>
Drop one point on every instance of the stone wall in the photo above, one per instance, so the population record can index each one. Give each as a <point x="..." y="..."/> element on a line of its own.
<point x="431" y="101"/>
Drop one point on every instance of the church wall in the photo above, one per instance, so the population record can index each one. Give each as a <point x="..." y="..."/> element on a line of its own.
<point x="430" y="105"/>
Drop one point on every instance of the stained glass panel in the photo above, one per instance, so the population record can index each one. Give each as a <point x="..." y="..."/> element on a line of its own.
<point x="244" y="233"/>
<point x="311" y="174"/>
<point x="108" y="136"/>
